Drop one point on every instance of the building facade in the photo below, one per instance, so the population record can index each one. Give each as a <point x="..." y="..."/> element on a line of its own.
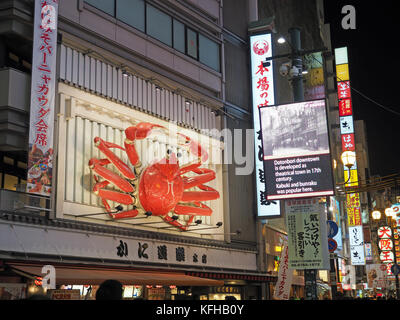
<point x="121" y="63"/>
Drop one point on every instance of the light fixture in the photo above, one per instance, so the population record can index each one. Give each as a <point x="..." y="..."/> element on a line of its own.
<point x="125" y="73"/>
<point x="188" y="102"/>
<point x="376" y="214"/>
<point x="348" y="158"/>
<point x="281" y="40"/>
<point x="389" y="212"/>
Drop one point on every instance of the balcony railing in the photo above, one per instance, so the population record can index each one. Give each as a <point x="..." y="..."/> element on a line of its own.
<point x="23" y="202"/>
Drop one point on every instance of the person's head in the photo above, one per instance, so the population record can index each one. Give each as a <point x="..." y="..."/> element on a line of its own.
<point x="109" y="290"/>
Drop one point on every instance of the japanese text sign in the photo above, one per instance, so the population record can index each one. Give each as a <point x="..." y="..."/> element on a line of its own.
<point x="42" y="97"/>
<point x="307" y="234"/>
<point x="285" y="276"/>
<point x="262" y="78"/>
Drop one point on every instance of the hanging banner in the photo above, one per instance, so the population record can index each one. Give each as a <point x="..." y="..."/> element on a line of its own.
<point x="262" y="80"/>
<point x="285" y="276"/>
<point x="307" y="234"/>
<point x="40" y="155"/>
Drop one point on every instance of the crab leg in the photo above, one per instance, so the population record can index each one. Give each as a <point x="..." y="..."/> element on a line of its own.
<point x="205" y="176"/>
<point x="97" y="166"/>
<point x="122" y="167"/>
<point x="177" y="224"/>
<point x="200" y="195"/>
<point x="200" y="210"/>
<point x="114" y="196"/>
<point x="111" y="195"/>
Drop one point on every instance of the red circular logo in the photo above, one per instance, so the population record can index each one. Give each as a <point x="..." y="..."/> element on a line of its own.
<point x="260" y="47"/>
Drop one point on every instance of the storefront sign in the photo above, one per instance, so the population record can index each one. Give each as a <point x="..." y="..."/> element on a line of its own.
<point x="348" y="144"/>
<point x="368" y="252"/>
<point x="262" y="78"/>
<point x="62" y="294"/>
<point x="307" y="234"/>
<point x="296" y="150"/>
<point x="386" y="255"/>
<point x="40" y="155"/>
<point x="285" y="276"/>
<point x="123" y="249"/>
<point x="314" y="80"/>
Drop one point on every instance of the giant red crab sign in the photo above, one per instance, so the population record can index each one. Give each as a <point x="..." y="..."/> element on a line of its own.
<point x="158" y="188"/>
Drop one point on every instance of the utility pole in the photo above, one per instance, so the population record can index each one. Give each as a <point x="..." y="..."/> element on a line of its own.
<point x="297" y="61"/>
<point x="310" y="275"/>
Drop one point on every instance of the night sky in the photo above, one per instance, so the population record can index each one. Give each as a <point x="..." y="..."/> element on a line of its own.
<point x="374" y="63"/>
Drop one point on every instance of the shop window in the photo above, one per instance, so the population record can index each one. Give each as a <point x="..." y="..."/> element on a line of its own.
<point x="131" y="12"/>
<point x="10" y="182"/>
<point x="104" y="5"/>
<point x="179" y="36"/>
<point x="209" y="52"/>
<point x="8" y="160"/>
<point x="21" y="165"/>
<point x="159" y="25"/>
<point x="191" y="43"/>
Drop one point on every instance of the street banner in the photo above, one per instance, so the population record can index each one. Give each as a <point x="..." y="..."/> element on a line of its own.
<point x="43" y="85"/>
<point x="307" y="234"/>
<point x="285" y="276"/>
<point x="262" y="83"/>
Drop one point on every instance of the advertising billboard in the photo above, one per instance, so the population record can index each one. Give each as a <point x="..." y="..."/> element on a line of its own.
<point x="307" y="234"/>
<point x="297" y="160"/>
<point x="262" y="80"/>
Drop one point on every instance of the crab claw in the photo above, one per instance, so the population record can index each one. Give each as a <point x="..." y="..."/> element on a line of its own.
<point x="194" y="147"/>
<point x="140" y="131"/>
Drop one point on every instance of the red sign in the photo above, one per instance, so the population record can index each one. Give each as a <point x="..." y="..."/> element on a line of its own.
<point x="345" y="107"/>
<point x="343" y="90"/>
<point x="348" y="143"/>
<point x="385" y="244"/>
<point x="384" y="233"/>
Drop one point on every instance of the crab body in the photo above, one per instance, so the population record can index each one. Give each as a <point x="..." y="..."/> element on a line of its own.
<point x="159" y="188"/>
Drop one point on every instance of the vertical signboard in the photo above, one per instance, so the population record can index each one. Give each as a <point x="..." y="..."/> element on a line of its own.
<point x="386" y="247"/>
<point x="307" y="234"/>
<point x="285" y="276"/>
<point x="314" y="80"/>
<point x="348" y="144"/>
<point x="262" y="81"/>
<point x="40" y="155"/>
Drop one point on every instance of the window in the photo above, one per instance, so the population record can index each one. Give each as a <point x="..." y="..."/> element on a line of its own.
<point x="191" y="43"/>
<point x="209" y="52"/>
<point x="159" y="25"/>
<point x="179" y="36"/>
<point x="131" y="12"/>
<point x="108" y="6"/>
<point x="10" y="182"/>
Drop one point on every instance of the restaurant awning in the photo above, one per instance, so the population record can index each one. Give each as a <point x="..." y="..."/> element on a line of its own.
<point x="81" y="275"/>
